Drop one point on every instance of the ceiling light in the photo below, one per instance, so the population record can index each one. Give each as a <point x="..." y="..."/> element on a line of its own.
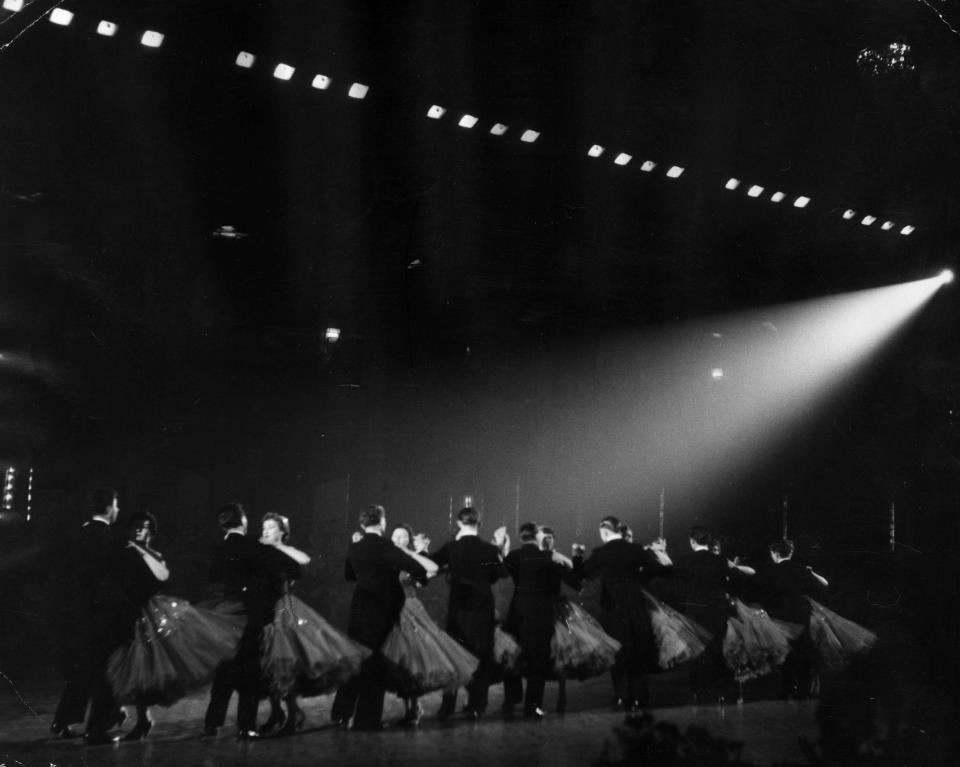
<point x="61" y="17"/>
<point x="732" y="183"/>
<point x="358" y="91"/>
<point x="283" y="71"/>
<point x="867" y="220"/>
<point x="849" y="213"/>
<point x="529" y="136"/>
<point x="622" y="159"/>
<point x="436" y="112"/>
<point x="245" y="59"/>
<point x="754" y="191"/>
<point x="321" y="82"/>
<point x="13" y="5"/>
<point x="648" y="165"/>
<point x="886" y="225"/>
<point x="106" y="28"/>
<point x="468" y="121"/>
<point x="595" y="151"/>
<point x="907" y="229"/>
<point x="777" y="197"/>
<point x="675" y="171"/>
<point x="801" y="202"/>
<point x="498" y="129"/>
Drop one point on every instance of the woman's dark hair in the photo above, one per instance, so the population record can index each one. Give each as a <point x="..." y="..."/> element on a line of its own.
<point x="409" y="534"/>
<point x="282" y="522"/>
<point x="142" y="517"/>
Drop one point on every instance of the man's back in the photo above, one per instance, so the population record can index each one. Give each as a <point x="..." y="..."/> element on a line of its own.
<point x="473" y="565"/>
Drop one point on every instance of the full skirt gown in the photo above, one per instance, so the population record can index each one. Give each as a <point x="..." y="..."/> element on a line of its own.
<point x="301" y="653"/>
<point x="755" y="644"/>
<point x="175" y="649"/>
<point x="836" y="639"/>
<point x="579" y="647"/>
<point x="506" y="653"/>
<point x="678" y="638"/>
<point x="420" y="657"/>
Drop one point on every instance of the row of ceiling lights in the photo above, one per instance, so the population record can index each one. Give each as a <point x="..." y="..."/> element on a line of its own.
<point x="282" y="71"/>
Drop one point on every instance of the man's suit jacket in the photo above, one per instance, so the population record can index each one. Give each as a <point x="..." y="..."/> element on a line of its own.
<point x="249" y="572"/>
<point x="375" y="564"/>
<point x="537" y="581"/>
<point x="472" y="566"/>
<point x="622" y="567"/>
<point x="781" y="589"/>
<point x="708" y="580"/>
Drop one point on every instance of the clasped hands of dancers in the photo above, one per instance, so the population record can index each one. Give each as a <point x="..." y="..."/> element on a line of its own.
<point x="137" y="647"/>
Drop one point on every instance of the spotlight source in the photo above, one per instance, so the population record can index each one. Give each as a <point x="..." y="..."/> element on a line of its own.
<point x="716" y="373"/>
<point x="946" y="276"/>
<point x="332" y="335"/>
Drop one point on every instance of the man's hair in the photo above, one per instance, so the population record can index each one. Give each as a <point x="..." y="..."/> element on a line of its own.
<point x="99" y="498"/>
<point x="136" y="520"/>
<point x="282" y="522"/>
<point x="372" y="516"/>
<point x="528" y="531"/>
<point x="782" y="548"/>
<point x="700" y="536"/>
<point x="469" y="516"/>
<point x="611" y="523"/>
<point x="231" y="515"/>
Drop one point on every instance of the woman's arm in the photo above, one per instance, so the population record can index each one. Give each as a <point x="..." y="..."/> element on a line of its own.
<point x="153" y="561"/>
<point x="300" y="557"/>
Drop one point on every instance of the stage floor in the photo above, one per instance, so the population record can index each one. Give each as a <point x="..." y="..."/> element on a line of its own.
<point x="770" y="731"/>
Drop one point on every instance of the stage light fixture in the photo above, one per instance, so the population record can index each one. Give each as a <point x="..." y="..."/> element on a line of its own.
<point x="868" y="220"/>
<point x="498" y="129"/>
<point x="648" y="165"/>
<point x="732" y="183"/>
<point x="886" y="225"/>
<point x="801" y="202"/>
<point x="321" y="82"/>
<point x="358" y="91"/>
<point x="283" y="71"/>
<point x="777" y="197"/>
<point x="152" y="39"/>
<point x="595" y="151"/>
<point x="907" y="229"/>
<point x="622" y="159"/>
<point x="529" y="136"/>
<point x="675" y="171"/>
<point x="332" y="335"/>
<point x="61" y="17"/>
<point x="754" y="191"/>
<point x="13" y="5"/>
<point x="468" y="121"/>
<point x="245" y="59"/>
<point x="436" y="112"/>
<point x="106" y="28"/>
<point x="849" y="213"/>
<point x="946" y="276"/>
<point x="716" y="374"/>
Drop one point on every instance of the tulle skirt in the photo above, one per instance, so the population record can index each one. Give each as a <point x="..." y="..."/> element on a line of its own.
<point x="835" y="638"/>
<point x="580" y="648"/>
<point x="755" y="644"/>
<point x="506" y="652"/>
<point x="678" y="638"/>
<point x="301" y="653"/>
<point x="175" y="649"/>
<point x="421" y="657"/>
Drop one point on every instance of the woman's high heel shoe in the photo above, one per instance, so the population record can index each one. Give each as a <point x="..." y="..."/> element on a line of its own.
<point x="277" y="718"/>
<point x="140" y="730"/>
<point x="293" y="723"/>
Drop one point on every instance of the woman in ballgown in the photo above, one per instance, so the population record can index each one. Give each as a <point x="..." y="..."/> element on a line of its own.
<point x="174" y="647"/>
<point x="302" y="655"/>
<point x="420" y="656"/>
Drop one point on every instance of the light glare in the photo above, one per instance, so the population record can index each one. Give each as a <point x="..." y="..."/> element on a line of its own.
<point x="946" y="276"/>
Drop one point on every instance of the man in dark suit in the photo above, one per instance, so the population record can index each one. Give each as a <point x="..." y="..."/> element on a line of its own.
<point x="707" y="580"/>
<point x="472" y="565"/>
<point x="89" y="610"/>
<point x="248" y="574"/>
<point x="624" y="568"/>
<point x="374" y="564"/>
<point x="537" y="577"/>
<point x="782" y="589"/>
